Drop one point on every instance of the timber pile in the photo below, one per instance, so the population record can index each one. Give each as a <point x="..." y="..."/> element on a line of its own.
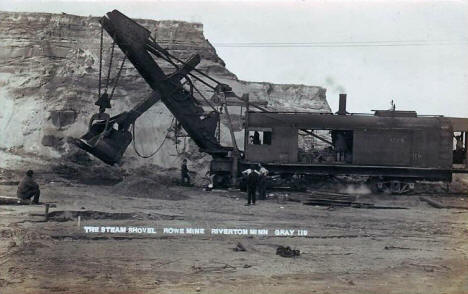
<point x="341" y="200"/>
<point x="330" y="199"/>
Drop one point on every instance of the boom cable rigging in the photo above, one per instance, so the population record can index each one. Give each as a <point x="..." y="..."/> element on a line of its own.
<point x="162" y="53"/>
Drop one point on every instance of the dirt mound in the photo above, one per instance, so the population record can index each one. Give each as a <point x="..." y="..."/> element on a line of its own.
<point x="89" y="175"/>
<point x="148" y="188"/>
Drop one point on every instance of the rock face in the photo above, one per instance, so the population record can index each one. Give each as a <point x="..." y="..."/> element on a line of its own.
<point x="49" y="66"/>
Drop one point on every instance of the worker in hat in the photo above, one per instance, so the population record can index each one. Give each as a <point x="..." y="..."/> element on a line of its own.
<point x="28" y="188"/>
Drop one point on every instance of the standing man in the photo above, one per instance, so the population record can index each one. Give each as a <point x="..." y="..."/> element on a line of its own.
<point x="185" y="173"/>
<point x="262" y="182"/>
<point x="459" y="145"/>
<point x="340" y="146"/>
<point x="256" y="138"/>
<point x="252" y="181"/>
<point x="28" y="188"/>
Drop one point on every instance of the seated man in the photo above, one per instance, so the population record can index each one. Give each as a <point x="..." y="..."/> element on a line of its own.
<point x="28" y="188"/>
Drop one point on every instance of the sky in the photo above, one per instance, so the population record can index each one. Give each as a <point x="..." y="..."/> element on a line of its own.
<point x="412" y="52"/>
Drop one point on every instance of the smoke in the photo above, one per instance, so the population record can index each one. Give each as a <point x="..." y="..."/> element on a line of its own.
<point x="360" y="189"/>
<point x="334" y="86"/>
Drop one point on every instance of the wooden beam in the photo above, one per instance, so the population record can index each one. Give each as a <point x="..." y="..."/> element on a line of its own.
<point x="317" y="136"/>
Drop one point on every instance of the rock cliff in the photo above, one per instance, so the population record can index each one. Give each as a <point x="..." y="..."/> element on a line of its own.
<point x="49" y="65"/>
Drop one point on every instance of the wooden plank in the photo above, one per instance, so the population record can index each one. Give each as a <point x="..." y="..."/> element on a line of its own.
<point x="12" y="200"/>
<point x="431" y="202"/>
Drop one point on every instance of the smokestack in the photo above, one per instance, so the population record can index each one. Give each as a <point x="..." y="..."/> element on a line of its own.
<point x="342" y="106"/>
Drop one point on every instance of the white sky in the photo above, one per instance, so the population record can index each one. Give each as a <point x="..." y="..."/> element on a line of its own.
<point x="415" y="52"/>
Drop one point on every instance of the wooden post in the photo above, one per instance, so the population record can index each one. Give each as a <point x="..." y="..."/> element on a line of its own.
<point x="246" y="125"/>
<point x="235" y="168"/>
<point x="218" y="135"/>
<point x="465" y="162"/>
<point x="46" y="212"/>
<point x="235" y="153"/>
<point x="233" y="138"/>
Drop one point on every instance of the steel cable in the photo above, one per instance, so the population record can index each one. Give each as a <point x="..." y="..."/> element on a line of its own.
<point x="100" y="62"/>
<point x="157" y="149"/>
<point x="117" y="77"/>
<point x="110" y="66"/>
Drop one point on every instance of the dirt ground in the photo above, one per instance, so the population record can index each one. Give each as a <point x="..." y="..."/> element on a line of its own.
<point x="347" y="250"/>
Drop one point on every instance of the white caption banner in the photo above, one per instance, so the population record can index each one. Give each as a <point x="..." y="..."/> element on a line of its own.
<point x="195" y="231"/>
